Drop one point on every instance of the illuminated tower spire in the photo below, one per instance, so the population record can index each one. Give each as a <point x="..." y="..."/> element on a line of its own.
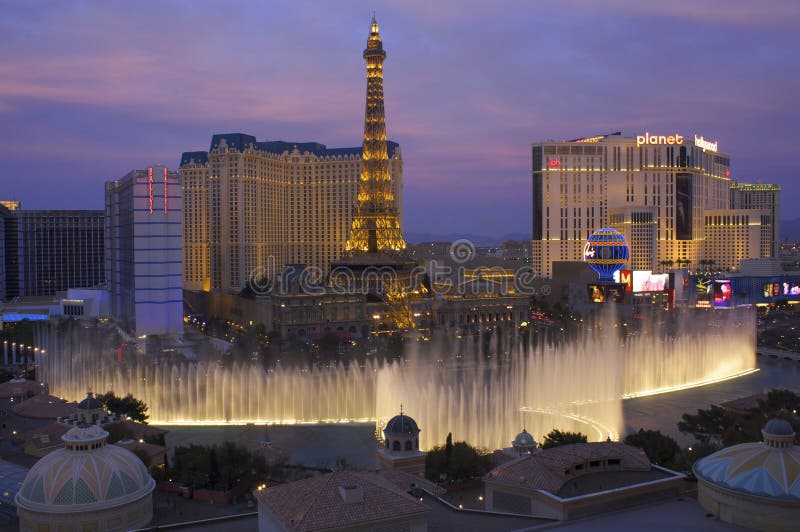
<point x="376" y="226"/>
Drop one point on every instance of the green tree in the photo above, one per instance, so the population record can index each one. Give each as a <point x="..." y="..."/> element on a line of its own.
<point x="191" y="465"/>
<point x="143" y="456"/>
<point x="213" y="467"/>
<point x="659" y="448"/>
<point x="228" y="465"/>
<point x="689" y="455"/>
<point x="448" y="448"/>
<point x="127" y="406"/>
<point x="556" y="437"/>
<point x="466" y="462"/>
<point x="117" y="432"/>
<point x="779" y="403"/>
<point x="707" y="425"/>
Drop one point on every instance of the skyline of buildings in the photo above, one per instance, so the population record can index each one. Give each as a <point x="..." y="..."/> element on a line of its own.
<point x="266" y="283"/>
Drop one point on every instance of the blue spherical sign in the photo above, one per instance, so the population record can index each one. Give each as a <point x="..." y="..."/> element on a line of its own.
<point x="606" y="252"/>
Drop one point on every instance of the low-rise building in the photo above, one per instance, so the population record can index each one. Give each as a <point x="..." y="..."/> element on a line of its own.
<point x="754" y="485"/>
<point x="577" y="480"/>
<point x="340" y="501"/>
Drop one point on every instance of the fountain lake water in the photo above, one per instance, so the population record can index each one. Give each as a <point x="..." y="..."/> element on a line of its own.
<point x="577" y="385"/>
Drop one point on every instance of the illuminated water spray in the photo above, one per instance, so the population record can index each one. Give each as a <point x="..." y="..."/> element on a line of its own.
<point x="577" y="385"/>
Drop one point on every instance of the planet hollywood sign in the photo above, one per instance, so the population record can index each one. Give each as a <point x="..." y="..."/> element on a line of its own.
<point x="676" y="139"/>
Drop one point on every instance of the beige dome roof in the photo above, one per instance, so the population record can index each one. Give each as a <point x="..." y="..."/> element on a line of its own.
<point x="768" y="469"/>
<point x="87" y="474"/>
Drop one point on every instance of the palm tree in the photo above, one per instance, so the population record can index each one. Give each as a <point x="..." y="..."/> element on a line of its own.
<point x="667" y="263"/>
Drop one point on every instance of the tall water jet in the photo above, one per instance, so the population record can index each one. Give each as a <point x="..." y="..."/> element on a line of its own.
<point x="481" y="397"/>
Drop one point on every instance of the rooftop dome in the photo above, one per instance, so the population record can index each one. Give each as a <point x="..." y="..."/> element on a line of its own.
<point x="766" y="469"/>
<point x="86" y="475"/>
<point x="523" y="440"/>
<point x="778" y="427"/>
<point x="90" y="403"/>
<point x="401" y="424"/>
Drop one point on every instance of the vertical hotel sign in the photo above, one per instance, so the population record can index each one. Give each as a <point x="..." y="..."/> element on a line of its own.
<point x="150" y="183"/>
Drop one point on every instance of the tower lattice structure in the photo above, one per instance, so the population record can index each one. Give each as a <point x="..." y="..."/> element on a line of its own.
<point x="376" y="224"/>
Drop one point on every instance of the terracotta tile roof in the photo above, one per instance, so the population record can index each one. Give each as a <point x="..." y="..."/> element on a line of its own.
<point x="16" y="387"/>
<point x="151" y="449"/>
<point x="316" y="503"/>
<point x="545" y="469"/>
<point x="45" y="436"/>
<point x="403" y="481"/>
<point x="744" y="403"/>
<point x="139" y="430"/>
<point x="44" y="407"/>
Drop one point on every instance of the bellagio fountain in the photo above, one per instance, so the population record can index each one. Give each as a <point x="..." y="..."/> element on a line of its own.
<point x="577" y="384"/>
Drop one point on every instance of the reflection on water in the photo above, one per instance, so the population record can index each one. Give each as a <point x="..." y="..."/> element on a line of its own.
<point x="663" y="412"/>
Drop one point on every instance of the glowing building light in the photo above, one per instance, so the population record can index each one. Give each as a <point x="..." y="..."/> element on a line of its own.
<point x="150" y="183"/>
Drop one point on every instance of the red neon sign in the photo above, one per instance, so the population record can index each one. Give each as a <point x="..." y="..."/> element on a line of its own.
<point x="165" y="190"/>
<point x="626" y="278"/>
<point x="554" y="163"/>
<point x="727" y="172"/>
<point x="150" y="176"/>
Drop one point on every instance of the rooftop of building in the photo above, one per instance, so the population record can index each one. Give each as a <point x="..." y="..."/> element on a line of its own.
<point x="770" y="468"/>
<point x="90" y="403"/>
<point x="45" y="407"/>
<point x="401" y="424"/>
<point x="21" y="387"/>
<point x="755" y="186"/>
<point x="743" y="404"/>
<point x="44" y="437"/>
<point x="64" y="213"/>
<point x="150" y="449"/>
<point x="241" y="141"/>
<point x="339" y="500"/>
<point x="545" y="470"/>
<point x="86" y="475"/>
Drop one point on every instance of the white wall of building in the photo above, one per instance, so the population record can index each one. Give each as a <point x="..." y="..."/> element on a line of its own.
<point x="145" y="258"/>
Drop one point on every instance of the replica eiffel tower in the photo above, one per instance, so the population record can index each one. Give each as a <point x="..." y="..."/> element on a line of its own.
<point x="374" y="253"/>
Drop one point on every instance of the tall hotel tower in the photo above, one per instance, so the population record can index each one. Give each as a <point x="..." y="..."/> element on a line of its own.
<point x="143" y="251"/>
<point x="653" y="193"/>
<point x="670" y="195"/>
<point x="252" y="208"/>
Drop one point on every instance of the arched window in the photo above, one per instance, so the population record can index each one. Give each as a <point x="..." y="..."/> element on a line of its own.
<point x="396" y="445"/>
<point x="387" y="444"/>
<point x="408" y="445"/>
<point x="416" y="443"/>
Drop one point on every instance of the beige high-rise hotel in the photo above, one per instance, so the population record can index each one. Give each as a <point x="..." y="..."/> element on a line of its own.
<point x="669" y="193"/>
<point x="252" y="208"/>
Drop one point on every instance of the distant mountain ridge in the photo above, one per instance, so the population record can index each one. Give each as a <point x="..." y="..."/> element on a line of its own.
<point x="414" y="237"/>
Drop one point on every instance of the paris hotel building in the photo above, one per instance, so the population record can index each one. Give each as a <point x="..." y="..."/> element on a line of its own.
<point x="251" y="208"/>
<point x="670" y="194"/>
